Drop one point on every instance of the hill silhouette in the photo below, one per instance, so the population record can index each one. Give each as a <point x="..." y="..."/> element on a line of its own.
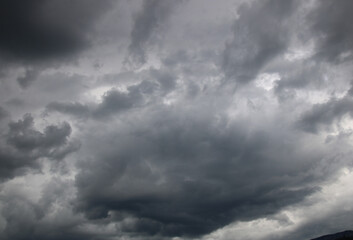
<point x="346" y="235"/>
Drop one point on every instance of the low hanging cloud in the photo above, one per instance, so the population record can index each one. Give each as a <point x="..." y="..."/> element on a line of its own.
<point x="168" y="168"/>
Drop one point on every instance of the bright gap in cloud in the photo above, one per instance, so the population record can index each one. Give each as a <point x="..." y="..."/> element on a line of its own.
<point x="267" y="80"/>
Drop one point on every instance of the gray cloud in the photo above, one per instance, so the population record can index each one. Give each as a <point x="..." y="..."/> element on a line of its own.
<point x="303" y="75"/>
<point x="41" y="34"/>
<point x="3" y="113"/>
<point x="326" y="113"/>
<point x="47" y="87"/>
<point x="183" y="175"/>
<point x="160" y="82"/>
<point x="113" y="102"/>
<point x="116" y="101"/>
<point x="28" y="78"/>
<point x="334" y="222"/>
<point x="23" y="146"/>
<point x="335" y="34"/>
<point x="75" y="109"/>
<point x="152" y="15"/>
<point x="166" y="79"/>
<point x="167" y="149"/>
<point x="260" y="34"/>
<point x="26" y="219"/>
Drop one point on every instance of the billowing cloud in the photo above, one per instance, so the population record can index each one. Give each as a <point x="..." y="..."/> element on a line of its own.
<point x="175" y="120"/>
<point x="23" y="146"/>
<point x="179" y="174"/>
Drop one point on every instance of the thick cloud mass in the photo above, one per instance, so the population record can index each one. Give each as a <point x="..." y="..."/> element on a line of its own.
<point x="175" y="120"/>
<point x="192" y="174"/>
<point x="22" y="146"/>
<point x="45" y="28"/>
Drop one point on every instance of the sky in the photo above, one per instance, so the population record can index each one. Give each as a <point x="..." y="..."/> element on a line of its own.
<point x="175" y="119"/>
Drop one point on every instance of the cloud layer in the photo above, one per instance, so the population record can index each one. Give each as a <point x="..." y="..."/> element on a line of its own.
<point x="175" y="119"/>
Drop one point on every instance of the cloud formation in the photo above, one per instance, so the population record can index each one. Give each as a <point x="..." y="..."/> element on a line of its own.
<point x="181" y="175"/>
<point x="165" y="120"/>
<point x="23" y="146"/>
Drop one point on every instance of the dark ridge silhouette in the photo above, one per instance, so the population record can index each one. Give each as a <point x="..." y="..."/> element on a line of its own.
<point x="346" y="235"/>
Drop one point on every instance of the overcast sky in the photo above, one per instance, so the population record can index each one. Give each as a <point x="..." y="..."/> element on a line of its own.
<point x="175" y="120"/>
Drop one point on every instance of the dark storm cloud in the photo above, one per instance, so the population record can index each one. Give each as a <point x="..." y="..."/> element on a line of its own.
<point x="23" y="146"/>
<point x="260" y="34"/>
<point x="184" y="175"/>
<point x="41" y="29"/>
<point x="325" y="114"/>
<point x="169" y="150"/>
<point x="152" y="15"/>
<point x="331" y="23"/>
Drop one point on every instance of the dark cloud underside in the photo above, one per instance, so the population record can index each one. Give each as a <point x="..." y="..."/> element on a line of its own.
<point x="40" y="29"/>
<point x="190" y="175"/>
